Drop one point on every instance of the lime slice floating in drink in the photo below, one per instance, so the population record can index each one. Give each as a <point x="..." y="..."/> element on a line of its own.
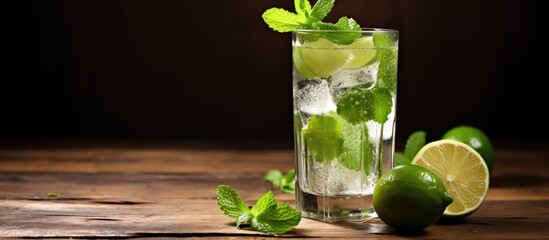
<point x="321" y="58"/>
<point x="300" y="65"/>
<point x="363" y="53"/>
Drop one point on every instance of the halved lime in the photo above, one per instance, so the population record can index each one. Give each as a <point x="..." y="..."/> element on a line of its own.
<point x="322" y="57"/>
<point x="475" y="138"/>
<point x="463" y="171"/>
<point x="362" y="53"/>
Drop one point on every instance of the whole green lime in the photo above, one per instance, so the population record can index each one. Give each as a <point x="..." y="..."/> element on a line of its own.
<point x="475" y="138"/>
<point x="410" y="197"/>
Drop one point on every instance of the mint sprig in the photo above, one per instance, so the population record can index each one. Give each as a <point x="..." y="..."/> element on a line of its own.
<point x="307" y="17"/>
<point x="266" y="215"/>
<point x="286" y="182"/>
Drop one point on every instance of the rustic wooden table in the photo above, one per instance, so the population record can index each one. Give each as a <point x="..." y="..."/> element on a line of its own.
<point x="168" y="191"/>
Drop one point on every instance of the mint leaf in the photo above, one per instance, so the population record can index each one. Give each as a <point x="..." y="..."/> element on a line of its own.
<point x="353" y="105"/>
<point x="350" y="28"/>
<point x="266" y="215"/>
<point x="306" y="17"/>
<point x="244" y="219"/>
<point x="303" y="8"/>
<point x="387" y="55"/>
<point x="287" y="184"/>
<point x="230" y="202"/>
<point x="415" y="142"/>
<point x="263" y="204"/>
<point x="323" y="137"/>
<point x="356" y="147"/>
<point x="274" y="176"/>
<point x="381" y="104"/>
<point x="387" y="72"/>
<point x="52" y="195"/>
<point x="321" y="9"/>
<point x="361" y="105"/>
<point x="400" y="159"/>
<point x="383" y="40"/>
<point x="283" y="21"/>
<point x="277" y="220"/>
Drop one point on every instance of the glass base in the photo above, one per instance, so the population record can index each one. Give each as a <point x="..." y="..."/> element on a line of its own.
<point x="335" y="208"/>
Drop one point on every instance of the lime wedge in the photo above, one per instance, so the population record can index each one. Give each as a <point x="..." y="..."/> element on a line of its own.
<point x="362" y="53"/>
<point x="463" y="171"/>
<point x="322" y="57"/>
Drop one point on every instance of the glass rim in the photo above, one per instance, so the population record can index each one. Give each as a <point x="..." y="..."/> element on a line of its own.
<point x="362" y="30"/>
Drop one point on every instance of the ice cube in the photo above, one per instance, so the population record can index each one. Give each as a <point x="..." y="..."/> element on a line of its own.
<point x="364" y="77"/>
<point x="313" y="97"/>
<point x="333" y="179"/>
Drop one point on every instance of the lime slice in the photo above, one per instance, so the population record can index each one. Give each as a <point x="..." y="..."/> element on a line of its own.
<point x="323" y="57"/>
<point x="300" y="66"/>
<point x="463" y="171"/>
<point x="362" y="53"/>
<point x="475" y="138"/>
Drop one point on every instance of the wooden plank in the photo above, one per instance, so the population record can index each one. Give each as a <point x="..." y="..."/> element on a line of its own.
<point x="92" y="160"/>
<point x="165" y="171"/>
<point x="85" y="218"/>
<point x="36" y="185"/>
<point x="170" y="192"/>
<point x="26" y="185"/>
<point x="188" y="160"/>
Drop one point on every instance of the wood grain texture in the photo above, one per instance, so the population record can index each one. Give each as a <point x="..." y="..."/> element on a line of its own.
<point x="149" y="192"/>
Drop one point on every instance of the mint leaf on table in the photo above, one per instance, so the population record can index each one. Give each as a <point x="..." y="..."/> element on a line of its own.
<point x="230" y="202"/>
<point x="266" y="215"/>
<point x="286" y="182"/>
<point x="263" y="204"/>
<point x="277" y="220"/>
<point x="52" y="195"/>
<point x="274" y="176"/>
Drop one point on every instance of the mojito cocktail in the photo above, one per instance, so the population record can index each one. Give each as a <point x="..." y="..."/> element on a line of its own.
<point x="344" y="102"/>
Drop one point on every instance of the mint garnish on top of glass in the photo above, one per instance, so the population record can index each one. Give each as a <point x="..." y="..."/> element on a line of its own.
<point x="307" y="17"/>
<point x="324" y="132"/>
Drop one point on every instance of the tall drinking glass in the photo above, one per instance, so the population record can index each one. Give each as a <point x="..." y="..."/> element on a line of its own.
<point x="344" y="102"/>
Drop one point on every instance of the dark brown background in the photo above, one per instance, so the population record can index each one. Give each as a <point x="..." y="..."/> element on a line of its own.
<point x="213" y="70"/>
